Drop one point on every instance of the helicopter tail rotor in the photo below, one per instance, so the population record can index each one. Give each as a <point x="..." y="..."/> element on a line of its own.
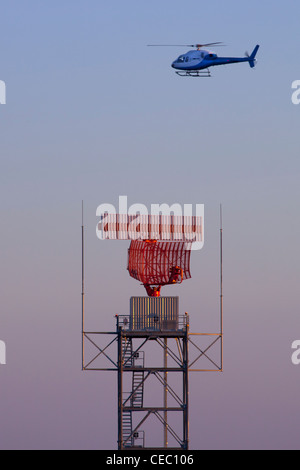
<point x="252" y="60"/>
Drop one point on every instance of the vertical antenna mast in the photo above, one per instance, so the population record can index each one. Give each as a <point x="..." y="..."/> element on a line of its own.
<point x="82" y="285"/>
<point x="166" y="393"/>
<point x="221" y="283"/>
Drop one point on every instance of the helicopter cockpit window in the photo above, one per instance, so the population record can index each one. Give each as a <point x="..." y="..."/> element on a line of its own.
<point x="180" y="58"/>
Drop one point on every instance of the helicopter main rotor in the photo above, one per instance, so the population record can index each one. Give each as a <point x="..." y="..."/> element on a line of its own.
<point x="197" y="46"/>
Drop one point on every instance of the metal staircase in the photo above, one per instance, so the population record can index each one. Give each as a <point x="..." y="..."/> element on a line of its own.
<point x="127" y="352"/>
<point x="136" y="396"/>
<point x="127" y="415"/>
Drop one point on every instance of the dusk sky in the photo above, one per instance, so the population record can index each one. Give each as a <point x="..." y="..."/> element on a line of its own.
<point x="92" y="114"/>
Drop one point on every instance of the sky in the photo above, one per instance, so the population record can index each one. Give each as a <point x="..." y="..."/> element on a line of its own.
<point x="91" y="114"/>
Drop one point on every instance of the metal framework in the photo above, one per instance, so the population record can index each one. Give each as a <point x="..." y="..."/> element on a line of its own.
<point x="124" y="352"/>
<point x="132" y="411"/>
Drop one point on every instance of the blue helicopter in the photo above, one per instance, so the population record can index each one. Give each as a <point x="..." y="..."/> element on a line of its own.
<point x="196" y="63"/>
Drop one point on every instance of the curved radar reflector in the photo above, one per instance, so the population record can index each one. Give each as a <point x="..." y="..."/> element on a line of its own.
<point x="159" y="263"/>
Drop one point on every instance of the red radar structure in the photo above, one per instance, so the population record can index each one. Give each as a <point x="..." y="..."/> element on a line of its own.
<point x="158" y="264"/>
<point x="160" y="248"/>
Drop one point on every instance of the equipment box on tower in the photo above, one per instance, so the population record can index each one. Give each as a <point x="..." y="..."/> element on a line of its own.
<point x="154" y="313"/>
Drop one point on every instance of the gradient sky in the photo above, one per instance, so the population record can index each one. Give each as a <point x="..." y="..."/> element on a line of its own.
<point x="91" y="114"/>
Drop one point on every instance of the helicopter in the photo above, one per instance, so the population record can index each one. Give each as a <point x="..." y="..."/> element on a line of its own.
<point x="196" y="63"/>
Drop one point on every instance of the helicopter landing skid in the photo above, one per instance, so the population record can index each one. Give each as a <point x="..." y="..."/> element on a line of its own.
<point x="194" y="73"/>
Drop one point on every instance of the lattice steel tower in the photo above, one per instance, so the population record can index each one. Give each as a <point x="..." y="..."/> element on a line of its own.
<point x="149" y="349"/>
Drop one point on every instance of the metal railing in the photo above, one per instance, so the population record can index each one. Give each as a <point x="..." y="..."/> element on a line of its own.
<point x="124" y="322"/>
